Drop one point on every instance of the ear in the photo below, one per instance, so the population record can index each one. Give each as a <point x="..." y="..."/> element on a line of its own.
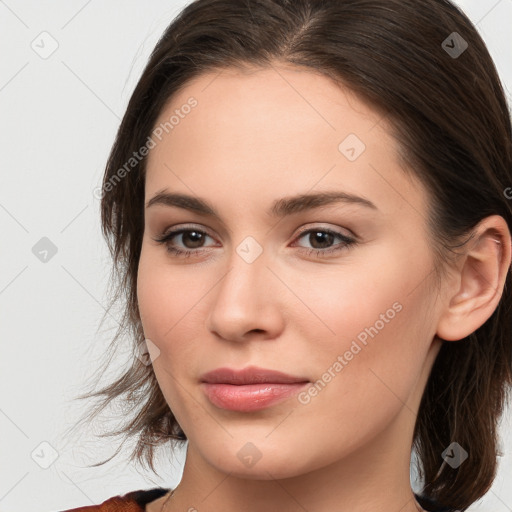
<point x="479" y="282"/>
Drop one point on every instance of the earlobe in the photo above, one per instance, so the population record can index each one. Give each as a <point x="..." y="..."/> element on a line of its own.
<point x="482" y="274"/>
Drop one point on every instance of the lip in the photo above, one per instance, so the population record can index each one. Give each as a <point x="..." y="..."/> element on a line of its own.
<point x="249" y="375"/>
<point x="249" y="389"/>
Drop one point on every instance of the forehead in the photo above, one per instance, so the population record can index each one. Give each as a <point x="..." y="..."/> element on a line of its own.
<point x="274" y="128"/>
<point x="251" y="100"/>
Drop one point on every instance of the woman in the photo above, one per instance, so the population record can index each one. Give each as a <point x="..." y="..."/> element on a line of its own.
<point x="306" y="205"/>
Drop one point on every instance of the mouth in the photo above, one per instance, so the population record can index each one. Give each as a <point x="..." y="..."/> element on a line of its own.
<point x="250" y="389"/>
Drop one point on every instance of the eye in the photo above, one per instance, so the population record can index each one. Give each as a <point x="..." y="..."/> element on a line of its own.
<point x="193" y="239"/>
<point x="319" y="238"/>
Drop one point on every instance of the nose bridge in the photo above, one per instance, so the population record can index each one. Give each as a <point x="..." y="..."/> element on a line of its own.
<point x="246" y="268"/>
<point x="243" y="302"/>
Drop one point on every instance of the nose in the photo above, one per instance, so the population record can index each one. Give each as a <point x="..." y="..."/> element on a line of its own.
<point x="245" y="302"/>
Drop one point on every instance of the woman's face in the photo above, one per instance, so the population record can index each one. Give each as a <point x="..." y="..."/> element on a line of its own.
<point x="335" y="292"/>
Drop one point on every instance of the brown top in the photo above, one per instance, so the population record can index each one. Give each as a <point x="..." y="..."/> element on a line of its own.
<point x="134" y="501"/>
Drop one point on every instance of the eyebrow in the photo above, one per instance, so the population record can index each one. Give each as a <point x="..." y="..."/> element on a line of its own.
<point x="280" y="207"/>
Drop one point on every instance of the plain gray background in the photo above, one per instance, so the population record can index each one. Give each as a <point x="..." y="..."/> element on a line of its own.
<point x="59" y="116"/>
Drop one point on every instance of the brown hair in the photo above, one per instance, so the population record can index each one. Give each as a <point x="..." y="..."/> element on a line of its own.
<point x="450" y="118"/>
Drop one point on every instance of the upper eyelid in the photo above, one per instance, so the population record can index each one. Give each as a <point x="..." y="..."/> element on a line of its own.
<point x="325" y="228"/>
<point x="179" y="230"/>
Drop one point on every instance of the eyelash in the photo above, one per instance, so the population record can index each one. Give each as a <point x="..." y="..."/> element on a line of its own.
<point x="166" y="238"/>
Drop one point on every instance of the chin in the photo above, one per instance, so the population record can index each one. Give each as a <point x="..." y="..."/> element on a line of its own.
<point x="245" y="460"/>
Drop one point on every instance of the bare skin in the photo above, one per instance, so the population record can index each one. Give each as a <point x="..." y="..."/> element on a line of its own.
<point x="254" y="138"/>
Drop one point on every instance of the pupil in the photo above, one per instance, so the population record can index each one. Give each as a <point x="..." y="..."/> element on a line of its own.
<point x="321" y="236"/>
<point x="195" y="237"/>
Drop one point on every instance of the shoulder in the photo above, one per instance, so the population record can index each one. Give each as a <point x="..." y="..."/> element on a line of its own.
<point x="134" y="501"/>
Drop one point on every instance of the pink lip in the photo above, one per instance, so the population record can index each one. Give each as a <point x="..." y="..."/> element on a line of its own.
<point x="250" y="389"/>
<point x="249" y="397"/>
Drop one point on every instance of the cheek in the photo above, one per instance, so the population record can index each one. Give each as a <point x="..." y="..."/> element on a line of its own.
<point x="364" y="376"/>
<point x="361" y="300"/>
<point x="164" y="294"/>
<point x="371" y="333"/>
<point x="166" y="309"/>
<point x="171" y="302"/>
